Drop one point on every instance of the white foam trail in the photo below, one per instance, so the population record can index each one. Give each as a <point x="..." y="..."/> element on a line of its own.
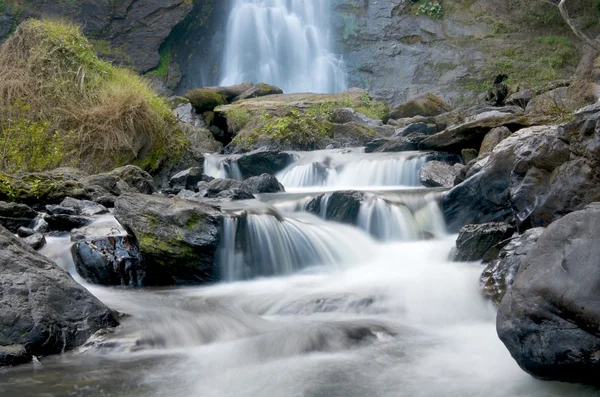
<point x="284" y="43"/>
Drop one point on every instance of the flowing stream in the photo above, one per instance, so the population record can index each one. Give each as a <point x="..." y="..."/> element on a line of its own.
<point x="284" y="43"/>
<point x="307" y="308"/>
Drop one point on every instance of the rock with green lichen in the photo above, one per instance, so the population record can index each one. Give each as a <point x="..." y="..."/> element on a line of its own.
<point x="259" y="90"/>
<point x="177" y="238"/>
<point x="427" y="105"/>
<point x="205" y="99"/>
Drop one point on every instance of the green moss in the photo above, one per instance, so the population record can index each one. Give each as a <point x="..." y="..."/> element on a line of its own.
<point x="164" y="64"/>
<point x="237" y="119"/>
<point x="204" y="99"/>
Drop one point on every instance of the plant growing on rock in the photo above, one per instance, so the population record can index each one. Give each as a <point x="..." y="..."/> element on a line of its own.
<point x="75" y="108"/>
<point x="431" y="9"/>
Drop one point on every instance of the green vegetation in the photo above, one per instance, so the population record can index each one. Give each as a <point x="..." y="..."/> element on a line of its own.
<point x="164" y="64"/>
<point x="237" y="119"/>
<point x="78" y="109"/>
<point x="204" y="99"/>
<point x="377" y="110"/>
<point x="430" y="8"/>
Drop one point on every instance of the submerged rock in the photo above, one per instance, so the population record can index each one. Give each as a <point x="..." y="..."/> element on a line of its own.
<point x="498" y="276"/>
<point x="549" y="319"/>
<point x="177" y="238"/>
<point x="475" y="242"/>
<point x="341" y="206"/>
<point x="42" y="309"/>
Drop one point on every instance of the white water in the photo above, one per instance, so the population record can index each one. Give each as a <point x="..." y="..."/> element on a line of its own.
<point x="285" y="43"/>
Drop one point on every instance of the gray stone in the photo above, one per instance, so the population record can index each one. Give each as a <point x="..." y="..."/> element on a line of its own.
<point x="492" y="139"/>
<point x="35" y="241"/>
<point x="438" y="174"/>
<point x="549" y="319"/>
<point x="474" y="242"/>
<point x="128" y="179"/>
<point x="499" y="274"/>
<point x="262" y="184"/>
<point x="84" y="207"/>
<point x="42" y="309"/>
<point x="14" y="215"/>
<point x="187" y="179"/>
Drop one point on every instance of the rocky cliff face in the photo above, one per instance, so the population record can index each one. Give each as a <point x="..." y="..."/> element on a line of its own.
<point x="130" y="31"/>
<point x="398" y="54"/>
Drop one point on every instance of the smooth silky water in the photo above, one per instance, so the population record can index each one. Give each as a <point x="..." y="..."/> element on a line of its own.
<point x="307" y="308"/>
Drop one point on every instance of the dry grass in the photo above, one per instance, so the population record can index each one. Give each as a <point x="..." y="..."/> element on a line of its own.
<point x="106" y="116"/>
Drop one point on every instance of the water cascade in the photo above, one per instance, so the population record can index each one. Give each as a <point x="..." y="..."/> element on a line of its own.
<point x="282" y="42"/>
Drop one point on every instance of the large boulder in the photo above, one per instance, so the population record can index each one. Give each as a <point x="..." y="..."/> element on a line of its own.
<point x="258" y="90"/>
<point x="499" y="274"/>
<point x="426" y="105"/>
<point x="474" y="242"/>
<point x="43" y="310"/>
<point x="263" y="162"/>
<point x="492" y="139"/>
<point x="550" y="319"/>
<point x="177" y="238"/>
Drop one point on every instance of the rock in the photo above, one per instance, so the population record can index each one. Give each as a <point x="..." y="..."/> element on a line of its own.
<point x="201" y="138"/>
<point x="561" y="100"/>
<point x="187" y="179"/>
<point x="233" y="91"/>
<point x="186" y="115"/>
<point x="375" y="144"/>
<point x="471" y="133"/>
<point x="112" y="260"/>
<point x="497" y="95"/>
<point x="469" y="155"/>
<point x="128" y="179"/>
<point x="512" y="182"/>
<point x="498" y="276"/>
<point x="416" y="128"/>
<point x="42" y="309"/>
<point x="348" y="115"/>
<point x="475" y="241"/>
<point x="426" y="106"/>
<point x="520" y="98"/>
<point x="263" y="162"/>
<point x="352" y="134"/>
<point x="65" y="223"/>
<point x="203" y="99"/>
<point x="25" y="232"/>
<point x="54" y="209"/>
<point x="492" y="139"/>
<point x="190" y="159"/>
<point x="84" y="207"/>
<point x="177" y="238"/>
<point x="259" y="90"/>
<point x="13" y="216"/>
<point x="438" y="174"/>
<point x="549" y="319"/>
<point x="216" y="186"/>
<point x="403" y="144"/>
<point x="262" y="184"/>
<point x="342" y="206"/>
<point x="35" y="241"/>
<point x="13" y="355"/>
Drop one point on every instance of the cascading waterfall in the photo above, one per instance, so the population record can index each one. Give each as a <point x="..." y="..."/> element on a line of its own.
<point x="255" y="245"/>
<point x="349" y="169"/>
<point x="282" y="42"/>
<point x="218" y="166"/>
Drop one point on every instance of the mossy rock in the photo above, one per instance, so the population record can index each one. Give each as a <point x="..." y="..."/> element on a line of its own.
<point x="38" y="189"/>
<point x="259" y="90"/>
<point x="205" y="99"/>
<point x="428" y="105"/>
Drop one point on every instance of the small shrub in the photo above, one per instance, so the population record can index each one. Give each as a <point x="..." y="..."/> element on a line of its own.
<point x="431" y="9"/>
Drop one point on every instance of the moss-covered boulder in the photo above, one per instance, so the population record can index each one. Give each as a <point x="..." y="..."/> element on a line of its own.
<point x="298" y="121"/>
<point x="259" y="90"/>
<point x="177" y="238"/>
<point x="205" y="99"/>
<point x="427" y="105"/>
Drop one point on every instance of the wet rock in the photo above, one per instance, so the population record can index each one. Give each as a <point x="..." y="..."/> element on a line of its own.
<point x="259" y="90"/>
<point x="375" y="144"/>
<point x="42" y="308"/>
<point x="187" y="179"/>
<point x="438" y="174"/>
<point x="25" y="232"/>
<point x="475" y="241"/>
<point x="511" y="183"/>
<point x="263" y="162"/>
<point x="426" y="105"/>
<point x="403" y="144"/>
<point x="498" y="276"/>
<point x="112" y="260"/>
<point x="54" y="209"/>
<point x="190" y="159"/>
<point x="128" y="179"/>
<point x="35" y="241"/>
<point x="13" y="216"/>
<point x="342" y="206"/>
<point x="177" y="238"/>
<point x="262" y="184"/>
<point x="216" y="186"/>
<point x="65" y="223"/>
<point x="492" y="139"/>
<point x="549" y="319"/>
<point x="84" y="207"/>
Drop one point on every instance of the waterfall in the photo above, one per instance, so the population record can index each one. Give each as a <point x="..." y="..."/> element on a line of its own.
<point x="282" y="42"/>
<point x="348" y="169"/>
<point x="218" y="166"/>
<point x="255" y="245"/>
